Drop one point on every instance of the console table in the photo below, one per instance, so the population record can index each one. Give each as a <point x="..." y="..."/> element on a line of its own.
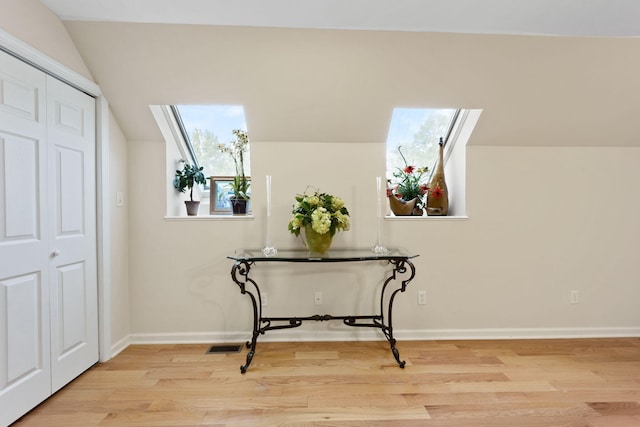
<point x="401" y="273"/>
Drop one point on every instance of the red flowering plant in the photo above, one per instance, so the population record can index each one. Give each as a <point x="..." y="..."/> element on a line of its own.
<point x="410" y="182"/>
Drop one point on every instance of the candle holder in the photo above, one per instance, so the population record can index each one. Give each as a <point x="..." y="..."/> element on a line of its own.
<point x="379" y="248"/>
<point x="269" y="249"/>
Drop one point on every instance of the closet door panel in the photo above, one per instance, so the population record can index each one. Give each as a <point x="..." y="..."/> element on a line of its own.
<point x="71" y="306"/>
<point x="20" y="188"/>
<point x="70" y="191"/>
<point x="21" y="302"/>
<point x="21" y="95"/>
<point x="25" y="367"/>
<point x="72" y="204"/>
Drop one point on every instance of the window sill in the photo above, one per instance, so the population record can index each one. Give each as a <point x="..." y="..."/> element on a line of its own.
<point x="205" y="217"/>
<point x="427" y="218"/>
<point x="250" y="217"/>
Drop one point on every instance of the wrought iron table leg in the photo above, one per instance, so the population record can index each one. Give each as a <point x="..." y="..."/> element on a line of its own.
<point x="396" y="354"/>
<point x="251" y="345"/>
<point x="240" y="275"/>
<point x="400" y="267"/>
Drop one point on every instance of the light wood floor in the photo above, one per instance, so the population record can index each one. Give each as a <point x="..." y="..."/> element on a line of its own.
<point x="581" y="382"/>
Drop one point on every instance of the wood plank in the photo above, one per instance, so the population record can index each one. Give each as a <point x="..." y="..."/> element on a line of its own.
<point x="573" y="382"/>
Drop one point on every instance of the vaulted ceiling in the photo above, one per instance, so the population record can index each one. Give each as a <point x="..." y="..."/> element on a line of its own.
<point x="542" y="17"/>
<point x="323" y="81"/>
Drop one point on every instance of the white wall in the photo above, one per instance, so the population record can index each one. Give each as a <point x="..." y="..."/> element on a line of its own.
<point x="546" y="214"/>
<point x="341" y="86"/>
<point x="542" y="221"/>
<point x="34" y="24"/>
<point x="189" y="272"/>
<point x="119" y="182"/>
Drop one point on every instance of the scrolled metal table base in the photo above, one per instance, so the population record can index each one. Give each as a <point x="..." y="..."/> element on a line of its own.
<point x="402" y="272"/>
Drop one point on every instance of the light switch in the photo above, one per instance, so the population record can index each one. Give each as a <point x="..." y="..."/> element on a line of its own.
<point x="119" y="199"/>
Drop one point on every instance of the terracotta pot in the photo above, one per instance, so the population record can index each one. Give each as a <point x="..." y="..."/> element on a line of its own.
<point x="402" y="207"/>
<point x="192" y="207"/>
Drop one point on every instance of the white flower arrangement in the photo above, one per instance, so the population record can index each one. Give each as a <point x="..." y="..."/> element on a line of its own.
<point x="324" y="212"/>
<point x="236" y="149"/>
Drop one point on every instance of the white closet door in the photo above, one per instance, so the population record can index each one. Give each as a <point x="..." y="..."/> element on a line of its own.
<point x="48" y="266"/>
<point x="72" y="225"/>
<point x="25" y="374"/>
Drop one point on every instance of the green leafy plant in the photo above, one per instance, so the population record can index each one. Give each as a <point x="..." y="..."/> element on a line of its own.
<point x="236" y="148"/>
<point x="324" y="212"/>
<point x="410" y="182"/>
<point x="188" y="177"/>
<point x="240" y="186"/>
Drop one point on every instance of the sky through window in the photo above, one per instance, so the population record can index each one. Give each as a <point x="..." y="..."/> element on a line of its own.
<point x="206" y="126"/>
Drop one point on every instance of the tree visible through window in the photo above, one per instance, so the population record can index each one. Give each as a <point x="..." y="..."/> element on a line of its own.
<point x="417" y="131"/>
<point x="206" y="126"/>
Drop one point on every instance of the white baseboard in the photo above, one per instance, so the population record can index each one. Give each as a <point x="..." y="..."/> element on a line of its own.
<point x="243" y="336"/>
<point x="120" y="345"/>
<point x="516" y="333"/>
<point x="376" y="335"/>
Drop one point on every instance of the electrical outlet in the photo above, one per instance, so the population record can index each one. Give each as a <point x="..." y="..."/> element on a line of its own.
<point x="422" y="297"/>
<point x="264" y="297"/>
<point x="317" y="298"/>
<point x="575" y="297"/>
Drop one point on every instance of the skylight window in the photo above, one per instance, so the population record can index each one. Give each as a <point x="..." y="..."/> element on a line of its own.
<point x="417" y="131"/>
<point x="203" y="127"/>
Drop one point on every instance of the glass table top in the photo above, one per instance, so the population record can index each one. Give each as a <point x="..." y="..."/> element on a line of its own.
<point x="333" y="255"/>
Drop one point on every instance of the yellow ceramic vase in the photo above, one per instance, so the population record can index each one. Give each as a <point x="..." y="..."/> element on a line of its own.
<point x="315" y="242"/>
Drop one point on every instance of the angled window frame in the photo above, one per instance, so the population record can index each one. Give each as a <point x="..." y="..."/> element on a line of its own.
<point x="455" y="139"/>
<point x="428" y="162"/>
<point x="185" y="137"/>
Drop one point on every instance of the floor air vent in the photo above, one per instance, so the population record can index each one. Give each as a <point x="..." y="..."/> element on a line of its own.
<point x="223" y="348"/>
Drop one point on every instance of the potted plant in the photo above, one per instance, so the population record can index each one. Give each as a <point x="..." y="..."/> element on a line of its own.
<point x="240" y="184"/>
<point x="406" y="196"/>
<point x="187" y="178"/>
<point x="319" y="215"/>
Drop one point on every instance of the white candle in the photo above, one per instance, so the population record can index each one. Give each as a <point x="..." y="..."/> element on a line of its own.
<point x="268" y="195"/>
<point x="269" y="249"/>
<point x="379" y="188"/>
<point x="379" y="247"/>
